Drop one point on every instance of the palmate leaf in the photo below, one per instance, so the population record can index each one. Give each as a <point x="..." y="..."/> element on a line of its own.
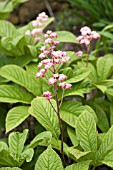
<point x="106" y="145"/>
<point x="104" y="66"/>
<point x="79" y="166"/>
<point x="49" y="160"/>
<point x="44" y="113"/>
<point x="69" y="112"/>
<point x="14" y="94"/>
<point x="9" y="168"/>
<point x="20" y="76"/>
<point x="16" y="143"/>
<point x="86" y="132"/>
<point x="16" y="116"/>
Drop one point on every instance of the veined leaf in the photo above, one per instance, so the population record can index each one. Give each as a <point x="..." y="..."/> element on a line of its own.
<point x="49" y="160"/>
<point x="40" y="137"/>
<point x="111" y="113"/>
<point x="79" y="166"/>
<point x="27" y="155"/>
<point x="76" y="153"/>
<point x="104" y="65"/>
<point x="7" y="29"/>
<point x="66" y="36"/>
<point x="16" y="116"/>
<point x="79" y="75"/>
<point x="108" y="160"/>
<point x="14" y="94"/>
<point x="69" y="112"/>
<point x="20" y="76"/>
<point x="106" y="145"/>
<point x="86" y="132"/>
<point x="6" y="159"/>
<point x="3" y="145"/>
<point x="93" y="73"/>
<point x="46" y="116"/>
<point x="16" y="143"/>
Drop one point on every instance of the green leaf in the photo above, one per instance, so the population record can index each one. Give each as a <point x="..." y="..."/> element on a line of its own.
<point x="16" y="143"/>
<point x="9" y="168"/>
<point x="102" y="122"/>
<point x="3" y="145"/>
<point x="104" y="65"/>
<point x="106" y="145"/>
<point x="101" y="87"/>
<point x="72" y="136"/>
<point x="109" y="91"/>
<point x="27" y="155"/>
<point x="79" y="166"/>
<point x="49" y="160"/>
<point x="93" y="73"/>
<point x="20" y="76"/>
<point x="79" y="75"/>
<point x="40" y="137"/>
<point x="7" y="29"/>
<point x="86" y="132"/>
<point x="16" y="116"/>
<point x="108" y="160"/>
<point x="14" y="94"/>
<point x="46" y="116"/>
<point x="6" y="159"/>
<point x="65" y="36"/>
<point x="69" y="112"/>
<point x="76" y="153"/>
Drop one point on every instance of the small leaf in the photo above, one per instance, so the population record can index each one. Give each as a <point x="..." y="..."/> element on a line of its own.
<point x="46" y="116"/>
<point x="111" y="113"/>
<point x="9" y="168"/>
<point x="72" y="136"/>
<point x="79" y="166"/>
<point x="7" y="29"/>
<point x="40" y="137"/>
<point x="108" y="160"/>
<point x="86" y="132"/>
<point x="27" y="155"/>
<point x="16" y="116"/>
<point x="16" y="143"/>
<point x="49" y="160"/>
<point x="3" y="145"/>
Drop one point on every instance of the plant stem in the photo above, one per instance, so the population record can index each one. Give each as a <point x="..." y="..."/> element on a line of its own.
<point x="60" y="122"/>
<point x="93" y="168"/>
<point x="87" y="57"/>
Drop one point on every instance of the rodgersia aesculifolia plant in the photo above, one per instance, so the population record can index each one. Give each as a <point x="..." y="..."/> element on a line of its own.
<point x="51" y="61"/>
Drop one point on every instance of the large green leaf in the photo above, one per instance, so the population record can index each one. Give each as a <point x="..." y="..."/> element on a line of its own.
<point x="65" y="36"/>
<point x="86" y="131"/>
<point x="106" y="145"/>
<point x="7" y="29"/>
<point x="46" y="116"/>
<point x="16" y="116"/>
<point x="93" y="73"/>
<point x="14" y="94"/>
<point x="79" y="166"/>
<point x="20" y="76"/>
<point x="69" y="112"/>
<point x="104" y="65"/>
<point x="49" y="160"/>
<point x="40" y="137"/>
<point x="72" y="136"/>
<point x="16" y="143"/>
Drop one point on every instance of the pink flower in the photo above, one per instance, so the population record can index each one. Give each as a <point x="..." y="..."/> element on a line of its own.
<point x="62" y="77"/>
<point x="48" y="95"/>
<point x="48" y="41"/>
<point x="45" y="35"/>
<point x="53" y="35"/>
<point x="39" y="65"/>
<point x="55" y="75"/>
<point x="49" y="32"/>
<point x="37" y="39"/>
<point x="35" y="23"/>
<point x="36" y="31"/>
<point x="52" y="81"/>
<point x="42" y="55"/>
<point x="95" y="35"/>
<point x="43" y="48"/>
<point x="39" y="74"/>
<point x="85" y="41"/>
<point x="79" y="38"/>
<point x="79" y="53"/>
<point x="68" y="86"/>
<point x="28" y="32"/>
<point x="65" y="85"/>
<point x="56" y="42"/>
<point x="85" y="30"/>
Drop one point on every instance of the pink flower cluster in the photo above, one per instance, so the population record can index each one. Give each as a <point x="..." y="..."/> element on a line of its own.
<point x="36" y="33"/>
<point x="51" y="60"/>
<point x="87" y="35"/>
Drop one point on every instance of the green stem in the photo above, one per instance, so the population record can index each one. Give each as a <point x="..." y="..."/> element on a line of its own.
<point x="87" y="57"/>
